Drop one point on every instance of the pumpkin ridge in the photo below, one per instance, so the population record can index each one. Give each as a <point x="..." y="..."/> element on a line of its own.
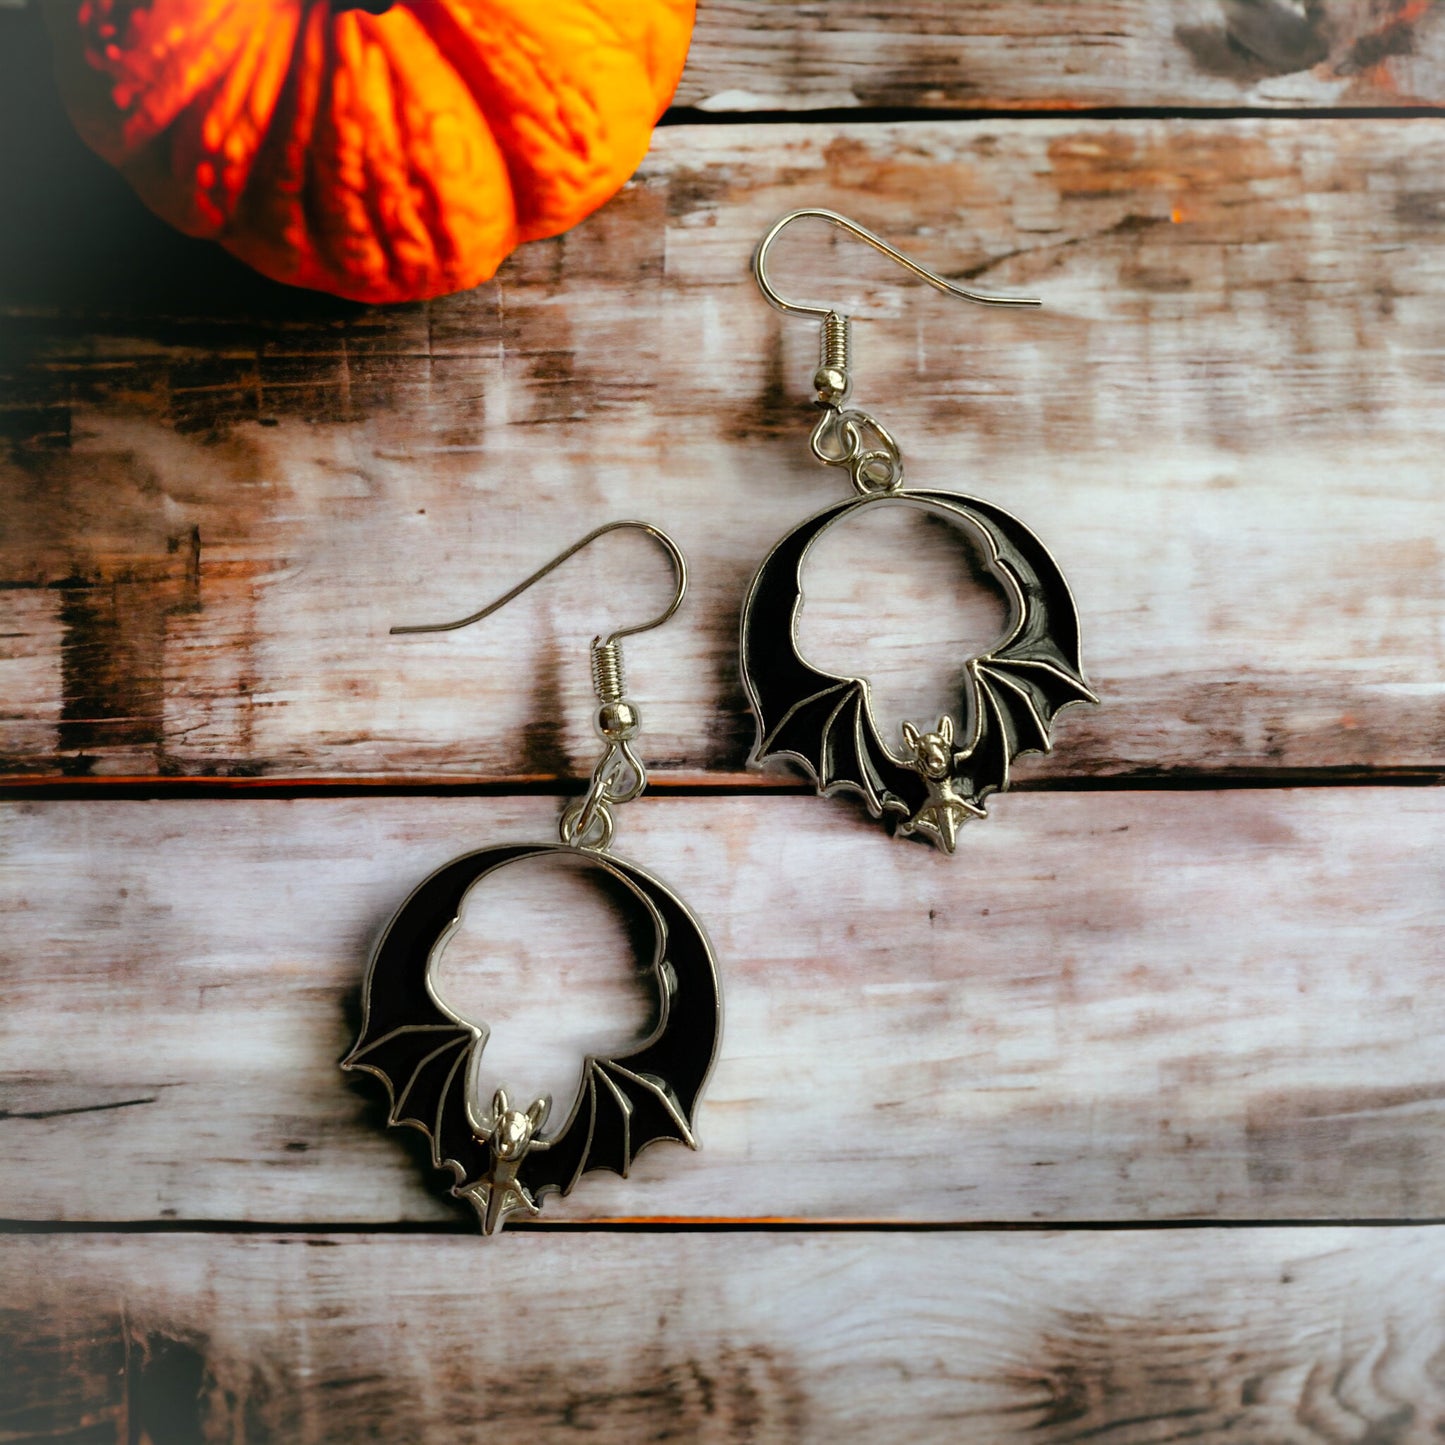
<point x="311" y="91"/>
<point x="448" y="44"/>
<point x="143" y="109"/>
<point x="276" y="187"/>
<point x="593" y="168"/>
<point x="218" y="191"/>
<point x="424" y="185"/>
<point x="407" y="217"/>
<point x="368" y="192"/>
<point x="421" y="188"/>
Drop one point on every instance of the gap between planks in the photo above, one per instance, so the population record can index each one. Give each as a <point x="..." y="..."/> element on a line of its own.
<point x="907" y="115"/>
<point x="21" y="788"/>
<point x="719" y="1225"/>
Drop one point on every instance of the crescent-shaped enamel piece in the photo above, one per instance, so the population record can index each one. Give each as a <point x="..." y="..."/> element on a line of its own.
<point x="939" y="778"/>
<point x="425" y="1054"/>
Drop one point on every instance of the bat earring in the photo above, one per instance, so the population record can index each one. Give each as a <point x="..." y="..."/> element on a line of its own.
<point x="939" y="779"/>
<point x="425" y="1054"/>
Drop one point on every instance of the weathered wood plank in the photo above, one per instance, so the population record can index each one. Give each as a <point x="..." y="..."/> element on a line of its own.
<point x="1110" y="1006"/>
<point x="1225" y="423"/>
<point x="801" y="55"/>
<point x="1216" y="1335"/>
<point x="751" y="55"/>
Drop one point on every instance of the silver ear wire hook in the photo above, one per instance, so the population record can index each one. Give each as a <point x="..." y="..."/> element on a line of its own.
<point x="674" y="552"/>
<point x="852" y="438"/>
<point x="619" y="776"/>
<point x="809" y="308"/>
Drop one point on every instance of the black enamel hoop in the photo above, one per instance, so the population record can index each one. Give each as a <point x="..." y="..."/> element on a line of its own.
<point x="425" y="1054"/>
<point x="1013" y="692"/>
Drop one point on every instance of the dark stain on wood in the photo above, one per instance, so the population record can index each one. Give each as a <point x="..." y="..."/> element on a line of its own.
<point x="544" y="738"/>
<point x="167" y="1385"/>
<point x="1393" y="36"/>
<point x="779" y="407"/>
<point x="99" y="531"/>
<point x="76" y="1109"/>
<point x="62" y="1381"/>
<point x="933" y="72"/>
<point x="1066" y="1390"/>
<point x="1350" y="1143"/>
<point x="730" y="741"/>
<point x="1108" y="1379"/>
<point x="82" y="1376"/>
<point x="743" y="1394"/>
<point x="560" y="388"/>
<point x="1421" y="210"/>
<point x="111" y="671"/>
<point x="690" y="191"/>
<point x="112" y="656"/>
<point x="89" y="1377"/>
<point x="1259" y="39"/>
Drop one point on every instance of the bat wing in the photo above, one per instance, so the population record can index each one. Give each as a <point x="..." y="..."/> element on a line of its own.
<point x="816" y="717"/>
<point x="414" y="1045"/>
<point x="1021" y="685"/>
<point x="632" y="1100"/>
<point x="425" y="1068"/>
<point x="617" y="1114"/>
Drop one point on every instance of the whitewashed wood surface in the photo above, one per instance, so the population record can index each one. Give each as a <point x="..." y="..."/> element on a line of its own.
<point x="1241" y="1336"/>
<point x="1197" y="1002"/>
<point x="1225" y="423"/>
<point x="803" y="55"/>
<point x="1106" y="1006"/>
<point x="751" y="55"/>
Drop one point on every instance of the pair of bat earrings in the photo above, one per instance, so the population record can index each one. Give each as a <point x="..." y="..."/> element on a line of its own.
<point x="427" y="1055"/>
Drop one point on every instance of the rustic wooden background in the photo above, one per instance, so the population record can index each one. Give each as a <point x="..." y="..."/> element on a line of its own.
<point x="1123" y="1125"/>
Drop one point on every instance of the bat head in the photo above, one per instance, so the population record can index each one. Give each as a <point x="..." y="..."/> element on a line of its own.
<point x="932" y="752"/>
<point x="511" y="1130"/>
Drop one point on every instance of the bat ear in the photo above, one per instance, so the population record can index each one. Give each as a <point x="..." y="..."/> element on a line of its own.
<point x="910" y="735"/>
<point x="945" y="728"/>
<point x="500" y="1104"/>
<point x="539" y="1111"/>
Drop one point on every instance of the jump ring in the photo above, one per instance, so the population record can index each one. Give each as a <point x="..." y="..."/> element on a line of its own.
<point x="876" y="472"/>
<point x="599" y="821"/>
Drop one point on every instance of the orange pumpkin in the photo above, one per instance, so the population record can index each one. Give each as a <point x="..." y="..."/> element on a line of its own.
<point x="380" y="151"/>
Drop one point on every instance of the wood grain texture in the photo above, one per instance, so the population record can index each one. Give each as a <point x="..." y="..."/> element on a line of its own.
<point x="215" y="494"/>
<point x="806" y="55"/>
<point x="750" y="55"/>
<point x="1326" y="1335"/>
<point x="1224" y="423"/>
<point x="1109" y="1006"/>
